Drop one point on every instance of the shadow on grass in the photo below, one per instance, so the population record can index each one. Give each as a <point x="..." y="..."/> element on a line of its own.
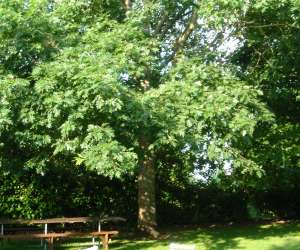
<point x="219" y="238"/>
<point x="287" y="246"/>
<point x="62" y="244"/>
<point x="263" y="237"/>
<point x="233" y="237"/>
<point x="121" y="245"/>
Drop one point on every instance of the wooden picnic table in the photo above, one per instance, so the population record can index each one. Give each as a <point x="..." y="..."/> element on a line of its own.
<point x="50" y="236"/>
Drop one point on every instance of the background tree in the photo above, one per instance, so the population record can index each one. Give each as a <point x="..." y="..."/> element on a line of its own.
<point x="269" y="58"/>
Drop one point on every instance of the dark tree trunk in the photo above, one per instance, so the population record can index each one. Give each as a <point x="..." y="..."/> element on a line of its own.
<point x="146" y="195"/>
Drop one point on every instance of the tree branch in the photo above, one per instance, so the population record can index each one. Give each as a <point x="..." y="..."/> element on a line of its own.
<point x="190" y="27"/>
<point x="186" y="33"/>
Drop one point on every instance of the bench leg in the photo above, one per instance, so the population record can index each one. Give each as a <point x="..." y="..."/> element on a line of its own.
<point x="50" y="243"/>
<point x="105" y="241"/>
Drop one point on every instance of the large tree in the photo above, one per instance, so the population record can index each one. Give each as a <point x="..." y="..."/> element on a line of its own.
<point x="112" y="85"/>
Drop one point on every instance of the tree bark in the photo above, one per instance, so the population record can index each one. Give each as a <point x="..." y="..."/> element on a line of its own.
<point x="127" y="6"/>
<point x="146" y="193"/>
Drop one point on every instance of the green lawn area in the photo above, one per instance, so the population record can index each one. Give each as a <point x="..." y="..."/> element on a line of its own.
<point x="261" y="237"/>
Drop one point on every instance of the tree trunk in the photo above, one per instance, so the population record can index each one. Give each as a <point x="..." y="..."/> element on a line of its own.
<point x="146" y="195"/>
<point x="127" y="6"/>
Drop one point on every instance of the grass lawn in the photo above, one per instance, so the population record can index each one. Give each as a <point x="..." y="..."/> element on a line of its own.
<point x="273" y="236"/>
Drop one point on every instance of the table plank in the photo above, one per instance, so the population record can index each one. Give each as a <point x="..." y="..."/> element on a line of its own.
<point x="58" y="235"/>
<point x="62" y="220"/>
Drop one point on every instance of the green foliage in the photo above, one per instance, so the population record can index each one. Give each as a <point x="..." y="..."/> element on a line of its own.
<point x="269" y="58"/>
<point x="65" y="191"/>
<point x="28" y="35"/>
<point x="198" y="107"/>
<point x="88" y="85"/>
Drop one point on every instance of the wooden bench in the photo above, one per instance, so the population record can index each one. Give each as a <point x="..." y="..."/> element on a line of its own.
<point x="49" y="235"/>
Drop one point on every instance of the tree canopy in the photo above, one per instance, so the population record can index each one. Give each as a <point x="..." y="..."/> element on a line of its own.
<point x="124" y="88"/>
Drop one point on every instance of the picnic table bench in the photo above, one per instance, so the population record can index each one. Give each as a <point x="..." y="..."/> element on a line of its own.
<point x="50" y="235"/>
